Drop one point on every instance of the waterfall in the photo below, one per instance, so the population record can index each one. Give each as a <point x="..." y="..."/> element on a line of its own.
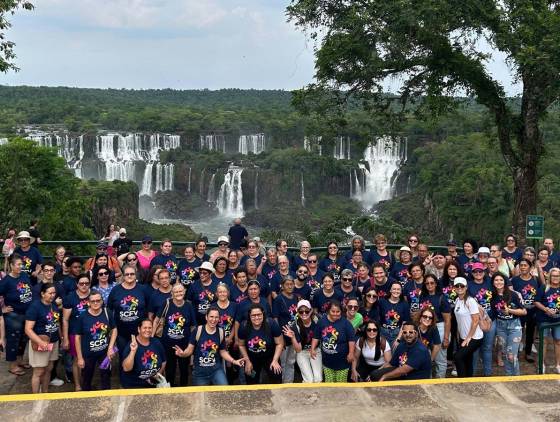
<point x="213" y="142"/>
<point x="251" y="144"/>
<point x="257" y="190"/>
<point x="230" y="198"/>
<point x="342" y="148"/>
<point x="211" y="190"/>
<point x="159" y="178"/>
<point x="306" y="144"/>
<point x="201" y="184"/>
<point x="169" y="172"/>
<point x="358" y="187"/>
<point x="147" y="180"/>
<point x="351" y="185"/>
<point x="302" y="192"/>
<point x="384" y="157"/>
<point x="3" y="141"/>
<point x="189" y="181"/>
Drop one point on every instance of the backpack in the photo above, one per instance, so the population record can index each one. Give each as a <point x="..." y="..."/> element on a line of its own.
<point x="199" y="333"/>
<point x="484" y="322"/>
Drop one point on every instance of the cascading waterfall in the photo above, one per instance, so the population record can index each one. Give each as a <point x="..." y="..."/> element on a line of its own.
<point x="230" y="198"/>
<point x="213" y="142"/>
<point x="313" y="143"/>
<point x="302" y="192"/>
<point x="256" y="195"/>
<point x="159" y="178"/>
<point x="306" y="144"/>
<point x="147" y="180"/>
<point x="384" y="157"/>
<point x="201" y="183"/>
<point x="164" y="176"/>
<point x="342" y="148"/>
<point x="211" y="190"/>
<point x="252" y="144"/>
<point x="189" y="181"/>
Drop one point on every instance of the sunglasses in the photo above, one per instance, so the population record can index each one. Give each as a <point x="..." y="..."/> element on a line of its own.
<point x="101" y="274"/>
<point x="428" y="283"/>
<point x="352" y="307"/>
<point x="427" y="317"/>
<point x="371" y="295"/>
<point x="460" y="286"/>
<point x="478" y="271"/>
<point x="371" y="330"/>
<point x="302" y="272"/>
<point x="130" y="274"/>
<point x="132" y="259"/>
<point x="408" y="332"/>
<point x="312" y="261"/>
<point x="222" y="244"/>
<point x="95" y="301"/>
<point x="412" y="241"/>
<point x="303" y="312"/>
<point x="346" y="279"/>
<point x="82" y="283"/>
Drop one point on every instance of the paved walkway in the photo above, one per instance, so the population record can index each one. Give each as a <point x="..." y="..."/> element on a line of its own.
<point x="529" y="398"/>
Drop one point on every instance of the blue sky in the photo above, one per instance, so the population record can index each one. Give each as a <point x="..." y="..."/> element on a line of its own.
<point x="182" y="44"/>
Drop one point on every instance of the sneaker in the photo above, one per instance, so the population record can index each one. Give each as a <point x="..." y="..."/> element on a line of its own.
<point x="534" y="349"/>
<point x="558" y="369"/>
<point x="56" y="382"/>
<point x="454" y="373"/>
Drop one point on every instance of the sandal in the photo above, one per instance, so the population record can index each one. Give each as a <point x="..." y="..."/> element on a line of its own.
<point x="17" y="373"/>
<point x="24" y="366"/>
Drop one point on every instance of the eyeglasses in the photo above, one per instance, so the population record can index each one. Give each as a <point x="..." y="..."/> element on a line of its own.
<point x="408" y="332"/>
<point x="478" y="271"/>
<point x="83" y="283"/>
<point x="303" y="272"/>
<point x="95" y="301"/>
<point x="48" y="270"/>
<point x="130" y="274"/>
<point x="412" y="241"/>
<point x="352" y="307"/>
<point x="371" y="295"/>
<point x="333" y="247"/>
<point x="511" y="240"/>
<point x="427" y="317"/>
<point x="312" y="261"/>
<point x="102" y="274"/>
<point x="304" y="312"/>
<point x="371" y="330"/>
<point x="346" y="279"/>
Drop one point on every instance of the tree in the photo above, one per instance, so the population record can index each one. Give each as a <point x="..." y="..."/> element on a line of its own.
<point x="7" y="54"/>
<point x="434" y="47"/>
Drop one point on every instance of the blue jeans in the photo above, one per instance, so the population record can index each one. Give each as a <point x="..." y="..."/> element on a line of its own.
<point x="218" y="377"/>
<point x="390" y="335"/>
<point x="486" y="351"/>
<point x="508" y="333"/>
<point x="15" y="335"/>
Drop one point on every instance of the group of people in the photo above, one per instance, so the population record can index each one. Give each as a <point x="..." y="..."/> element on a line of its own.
<point x="238" y="315"/>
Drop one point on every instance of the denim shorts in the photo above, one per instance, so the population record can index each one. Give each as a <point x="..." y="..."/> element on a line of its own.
<point x="553" y="332"/>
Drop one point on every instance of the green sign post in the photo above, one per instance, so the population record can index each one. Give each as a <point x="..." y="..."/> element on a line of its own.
<point x="535" y="227"/>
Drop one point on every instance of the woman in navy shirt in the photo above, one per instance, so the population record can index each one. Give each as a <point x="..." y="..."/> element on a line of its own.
<point x="42" y="326"/>
<point x="16" y="289"/>
<point x="144" y="358"/>
<point x="393" y="311"/>
<point x="336" y="339"/>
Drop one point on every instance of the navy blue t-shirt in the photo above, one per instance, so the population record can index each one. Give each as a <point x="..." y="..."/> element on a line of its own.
<point x="354" y="294"/>
<point x="411" y="293"/>
<point x="78" y="306"/>
<point x="284" y="309"/>
<point x="430" y="338"/>
<point x="438" y="303"/>
<point x="328" y="265"/>
<point x="186" y="271"/>
<point x="178" y="323"/>
<point x="47" y="319"/>
<point x="95" y="332"/>
<point x="314" y="282"/>
<point x="207" y="351"/>
<point x="236" y="234"/>
<point x="549" y="299"/>
<point x="303" y="292"/>
<point x="30" y="259"/>
<point x="157" y="300"/>
<point x="60" y="293"/>
<point x="202" y="297"/>
<point x="243" y="309"/>
<point x="333" y="340"/>
<point x="17" y="293"/>
<point x="227" y="279"/>
<point x="481" y="292"/>
<point x="392" y="315"/>
<point x="70" y="284"/>
<point x="399" y="273"/>
<point x="416" y="356"/>
<point x="305" y="336"/>
<point x="514" y="256"/>
<point x="383" y="290"/>
<point x="236" y="295"/>
<point x="498" y="307"/>
<point x="169" y="262"/>
<point x="527" y="289"/>
<point x="276" y="281"/>
<point x="260" y="343"/>
<point x="387" y="260"/>
<point x="466" y="262"/>
<point x="244" y="259"/>
<point x="148" y="360"/>
<point x="228" y="316"/>
<point x="128" y="307"/>
<point x="322" y="302"/>
<point x="269" y="271"/>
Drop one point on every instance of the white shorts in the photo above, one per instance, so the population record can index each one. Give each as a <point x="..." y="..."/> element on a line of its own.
<point x="42" y="359"/>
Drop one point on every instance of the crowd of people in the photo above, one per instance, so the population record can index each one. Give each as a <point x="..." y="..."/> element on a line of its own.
<point x="248" y="315"/>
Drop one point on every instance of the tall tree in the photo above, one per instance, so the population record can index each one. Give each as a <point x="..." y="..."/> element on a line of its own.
<point x="7" y="55"/>
<point x="440" y="49"/>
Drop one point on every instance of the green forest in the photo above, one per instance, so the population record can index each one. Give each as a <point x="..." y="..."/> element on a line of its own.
<point x="459" y="183"/>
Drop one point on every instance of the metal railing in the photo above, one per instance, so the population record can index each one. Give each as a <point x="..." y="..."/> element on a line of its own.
<point x="542" y="328"/>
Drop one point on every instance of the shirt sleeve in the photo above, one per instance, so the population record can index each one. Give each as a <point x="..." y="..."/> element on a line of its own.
<point x="416" y="357"/>
<point x="275" y="328"/>
<point x="31" y="313"/>
<point x="472" y="306"/>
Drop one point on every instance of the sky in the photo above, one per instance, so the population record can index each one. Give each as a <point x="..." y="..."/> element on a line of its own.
<point x="181" y="44"/>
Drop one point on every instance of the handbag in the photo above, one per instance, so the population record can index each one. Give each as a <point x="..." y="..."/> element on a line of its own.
<point x="484" y="322"/>
<point x="161" y="322"/>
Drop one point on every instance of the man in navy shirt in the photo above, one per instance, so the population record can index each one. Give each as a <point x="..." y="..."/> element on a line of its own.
<point x="236" y="234"/>
<point x="411" y="359"/>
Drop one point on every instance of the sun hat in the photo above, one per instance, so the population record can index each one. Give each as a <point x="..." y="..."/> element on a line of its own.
<point x="206" y="266"/>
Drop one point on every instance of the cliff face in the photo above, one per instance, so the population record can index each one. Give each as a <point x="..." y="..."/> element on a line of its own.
<point x="112" y="203"/>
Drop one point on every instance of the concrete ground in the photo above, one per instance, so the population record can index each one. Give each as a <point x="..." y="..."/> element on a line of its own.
<point x="527" y="398"/>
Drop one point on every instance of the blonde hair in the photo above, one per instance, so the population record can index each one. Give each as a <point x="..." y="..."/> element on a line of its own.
<point x="547" y="280"/>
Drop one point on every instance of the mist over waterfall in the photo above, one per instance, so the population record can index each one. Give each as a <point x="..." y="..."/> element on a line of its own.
<point x="384" y="157"/>
<point x="254" y="144"/>
<point x="230" y="198"/>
